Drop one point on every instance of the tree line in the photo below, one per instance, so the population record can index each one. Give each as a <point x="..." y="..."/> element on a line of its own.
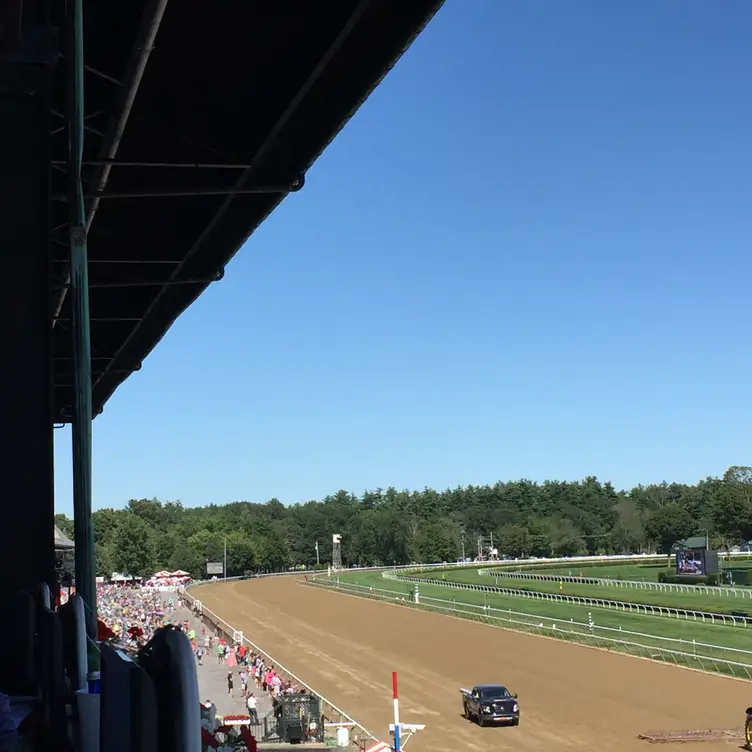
<point x="385" y="527"/>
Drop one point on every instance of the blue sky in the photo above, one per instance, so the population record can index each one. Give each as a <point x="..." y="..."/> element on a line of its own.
<point x="526" y="256"/>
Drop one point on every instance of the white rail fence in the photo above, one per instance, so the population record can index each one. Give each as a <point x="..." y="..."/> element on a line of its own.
<point x="329" y="708"/>
<point x="590" y="635"/>
<point x="664" y="587"/>
<point x="515" y="563"/>
<point x="639" y="608"/>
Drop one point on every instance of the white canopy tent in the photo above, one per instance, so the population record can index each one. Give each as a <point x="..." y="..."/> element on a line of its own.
<point x="62" y="541"/>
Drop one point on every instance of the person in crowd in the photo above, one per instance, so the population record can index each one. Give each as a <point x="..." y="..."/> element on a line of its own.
<point x="277" y="684"/>
<point x="243" y="682"/>
<point x="252" y="704"/>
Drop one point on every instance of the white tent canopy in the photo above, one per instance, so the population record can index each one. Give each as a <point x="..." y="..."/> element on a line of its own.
<point x="62" y="541"/>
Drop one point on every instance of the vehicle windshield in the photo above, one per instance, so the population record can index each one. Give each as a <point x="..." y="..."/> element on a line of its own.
<point x="494" y="693"/>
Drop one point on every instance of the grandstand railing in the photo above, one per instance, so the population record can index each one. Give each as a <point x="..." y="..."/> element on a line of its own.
<point x="664" y="587"/>
<point x="588" y="635"/>
<point x="330" y="709"/>
<point x="576" y="600"/>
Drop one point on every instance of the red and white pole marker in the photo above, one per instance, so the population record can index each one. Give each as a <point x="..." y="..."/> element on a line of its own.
<point x="397" y="740"/>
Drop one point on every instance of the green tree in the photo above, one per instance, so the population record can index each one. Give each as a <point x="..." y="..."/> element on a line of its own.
<point x="271" y="552"/>
<point x="240" y="554"/>
<point x="133" y="550"/>
<point x="186" y="558"/>
<point x="669" y="524"/>
<point x="150" y="511"/>
<point x="104" y="565"/>
<point x="629" y="531"/>
<point x="514" y="540"/>
<point x="732" y="508"/>
<point x="435" y="541"/>
<point x="105" y="522"/>
<point x="208" y="545"/>
<point x="389" y="526"/>
<point x="564" y="539"/>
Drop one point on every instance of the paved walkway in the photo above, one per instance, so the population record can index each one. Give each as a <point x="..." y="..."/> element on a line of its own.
<point x="212" y="680"/>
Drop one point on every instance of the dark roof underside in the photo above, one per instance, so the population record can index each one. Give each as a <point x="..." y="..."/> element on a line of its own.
<point x="259" y="87"/>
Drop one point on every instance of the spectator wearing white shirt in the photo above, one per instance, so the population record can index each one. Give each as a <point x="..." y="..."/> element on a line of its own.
<point x="251" y="703"/>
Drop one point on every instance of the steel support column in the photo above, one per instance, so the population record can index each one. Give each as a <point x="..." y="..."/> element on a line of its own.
<point x="26" y="461"/>
<point x="143" y="46"/>
<point x="79" y="287"/>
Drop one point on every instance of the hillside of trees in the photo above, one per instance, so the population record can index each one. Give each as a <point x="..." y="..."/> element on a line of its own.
<point x="390" y="526"/>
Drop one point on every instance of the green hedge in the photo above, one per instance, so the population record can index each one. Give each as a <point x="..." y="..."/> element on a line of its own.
<point x="687" y="579"/>
<point x="739" y="576"/>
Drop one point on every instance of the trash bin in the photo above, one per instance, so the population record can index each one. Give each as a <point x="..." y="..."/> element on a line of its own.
<point x="343" y="736"/>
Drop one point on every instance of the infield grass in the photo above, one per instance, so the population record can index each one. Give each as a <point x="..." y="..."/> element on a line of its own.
<point x="721" y="601"/>
<point x="649" y="630"/>
<point x="638" y="571"/>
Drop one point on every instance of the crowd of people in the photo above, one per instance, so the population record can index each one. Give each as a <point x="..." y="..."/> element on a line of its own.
<point x="247" y="670"/>
<point x="131" y="615"/>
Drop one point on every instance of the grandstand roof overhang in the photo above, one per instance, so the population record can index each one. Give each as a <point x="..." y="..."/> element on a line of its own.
<point x="200" y="119"/>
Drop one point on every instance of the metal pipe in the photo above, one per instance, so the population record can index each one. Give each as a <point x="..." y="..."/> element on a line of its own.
<point x="82" y="376"/>
<point x="140" y="262"/>
<point x="102" y="75"/>
<point x="230" y="191"/>
<point x="154" y="283"/>
<point x="161" y="165"/>
<point x="106" y="318"/>
<point x="143" y="47"/>
<point x="395" y="702"/>
<point x="87" y="128"/>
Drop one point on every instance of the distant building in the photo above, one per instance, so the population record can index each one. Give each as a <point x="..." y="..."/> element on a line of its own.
<point x="696" y="541"/>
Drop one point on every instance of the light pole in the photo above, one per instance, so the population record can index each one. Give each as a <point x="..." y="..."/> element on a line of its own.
<point x="224" y="567"/>
<point x="318" y="561"/>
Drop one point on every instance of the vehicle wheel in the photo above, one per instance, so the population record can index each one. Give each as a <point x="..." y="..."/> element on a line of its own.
<point x="465" y="711"/>
<point x="516" y="722"/>
<point x="481" y="719"/>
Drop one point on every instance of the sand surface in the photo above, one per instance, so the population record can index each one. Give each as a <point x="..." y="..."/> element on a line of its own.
<point x="571" y="697"/>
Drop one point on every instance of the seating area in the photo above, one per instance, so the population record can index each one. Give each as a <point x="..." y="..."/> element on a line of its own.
<point x="52" y="704"/>
<point x="38" y="671"/>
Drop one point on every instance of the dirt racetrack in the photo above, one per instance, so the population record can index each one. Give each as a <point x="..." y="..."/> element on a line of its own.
<point x="571" y="697"/>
